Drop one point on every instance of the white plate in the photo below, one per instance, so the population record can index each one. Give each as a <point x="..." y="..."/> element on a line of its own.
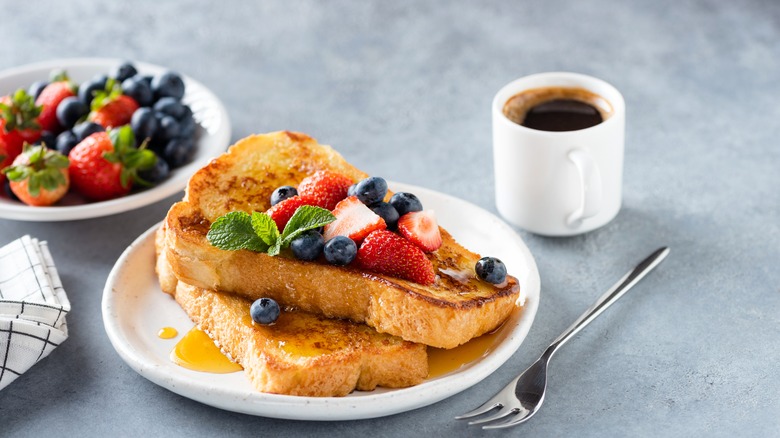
<point x="134" y="309"/>
<point x="213" y="138"/>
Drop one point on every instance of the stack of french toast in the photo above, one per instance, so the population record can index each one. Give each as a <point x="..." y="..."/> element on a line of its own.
<point x="342" y="328"/>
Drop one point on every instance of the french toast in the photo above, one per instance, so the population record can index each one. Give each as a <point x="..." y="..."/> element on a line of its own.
<point x="302" y="353"/>
<point x="454" y="309"/>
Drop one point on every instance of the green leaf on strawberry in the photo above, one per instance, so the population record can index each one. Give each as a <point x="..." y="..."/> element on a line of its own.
<point x="20" y="111"/>
<point x="42" y="170"/>
<point x="110" y="93"/>
<point x="132" y="159"/>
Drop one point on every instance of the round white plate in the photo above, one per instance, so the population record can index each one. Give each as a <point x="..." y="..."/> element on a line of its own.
<point x="212" y="139"/>
<point x="134" y="309"/>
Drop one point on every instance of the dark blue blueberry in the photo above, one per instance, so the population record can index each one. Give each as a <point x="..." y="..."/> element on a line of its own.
<point x="188" y="127"/>
<point x="85" y="129"/>
<point x="386" y="212"/>
<point x="491" y="269"/>
<point x="340" y="250"/>
<point x="405" y="202"/>
<point x="66" y="141"/>
<point x="70" y="110"/>
<point x="35" y="89"/>
<point x="264" y="311"/>
<point x="145" y="78"/>
<point x="123" y="71"/>
<point x="8" y="192"/>
<point x="155" y="174"/>
<point x="351" y="190"/>
<point x="139" y="90"/>
<point x="144" y="124"/>
<point x="49" y="139"/>
<point x="282" y="193"/>
<point x="371" y="190"/>
<point x="170" y="106"/>
<point x="88" y="89"/>
<point x="179" y="151"/>
<point x="168" y="128"/>
<point x="187" y="112"/>
<point x="308" y="245"/>
<point x="168" y="84"/>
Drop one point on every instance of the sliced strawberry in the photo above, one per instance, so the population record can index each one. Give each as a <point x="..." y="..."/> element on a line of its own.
<point x="328" y="188"/>
<point x="354" y="220"/>
<point x="421" y="228"/>
<point x="283" y="211"/>
<point x="49" y="99"/>
<point x="385" y="252"/>
<point x="113" y="112"/>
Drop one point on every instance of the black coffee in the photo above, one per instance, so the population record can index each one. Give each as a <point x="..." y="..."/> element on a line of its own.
<point x="557" y="109"/>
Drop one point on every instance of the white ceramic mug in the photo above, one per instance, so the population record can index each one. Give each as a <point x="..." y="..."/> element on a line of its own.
<point x="559" y="183"/>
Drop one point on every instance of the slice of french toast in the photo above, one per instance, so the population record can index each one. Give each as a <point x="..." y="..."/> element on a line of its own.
<point x="302" y="353"/>
<point x="453" y="310"/>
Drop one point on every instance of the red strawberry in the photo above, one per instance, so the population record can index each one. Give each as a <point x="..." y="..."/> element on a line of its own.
<point x="421" y="228"/>
<point x="104" y="165"/>
<point x="354" y="220"/>
<point x="114" y="112"/>
<point x="18" y="124"/>
<point x="39" y="176"/>
<point x="283" y="211"/>
<point x="50" y="98"/>
<point x="385" y="252"/>
<point x="328" y="188"/>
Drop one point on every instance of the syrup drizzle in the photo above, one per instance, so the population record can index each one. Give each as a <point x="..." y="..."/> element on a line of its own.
<point x="196" y="351"/>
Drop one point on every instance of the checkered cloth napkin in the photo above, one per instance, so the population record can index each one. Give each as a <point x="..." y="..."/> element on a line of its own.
<point x="33" y="306"/>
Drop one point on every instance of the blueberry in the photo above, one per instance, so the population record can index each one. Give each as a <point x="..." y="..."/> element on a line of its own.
<point x="145" y="78"/>
<point x="308" y="245"/>
<point x="123" y="71"/>
<point x="88" y="89"/>
<point x="85" y="129"/>
<point x="405" y="202"/>
<point x="371" y="190"/>
<point x="35" y="89"/>
<point x="155" y="174"/>
<point x="351" y="190"/>
<point x="188" y="127"/>
<point x="66" y="141"/>
<point x="49" y="139"/>
<point x="264" y="311"/>
<point x="70" y="110"/>
<point x="187" y="112"/>
<point x="139" y="90"/>
<point x="168" y="128"/>
<point x="170" y="106"/>
<point x="8" y="192"/>
<point x="144" y="124"/>
<point x="491" y="269"/>
<point x="386" y="212"/>
<point x="168" y="84"/>
<point x="178" y="152"/>
<point x="282" y="193"/>
<point x="340" y="250"/>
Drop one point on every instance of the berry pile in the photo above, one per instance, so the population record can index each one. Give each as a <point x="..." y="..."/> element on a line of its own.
<point x="117" y="130"/>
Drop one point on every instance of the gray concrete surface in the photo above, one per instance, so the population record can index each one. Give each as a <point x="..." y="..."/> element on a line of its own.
<point x="403" y="89"/>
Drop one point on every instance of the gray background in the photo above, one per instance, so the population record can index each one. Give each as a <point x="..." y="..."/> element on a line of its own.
<point x="403" y="90"/>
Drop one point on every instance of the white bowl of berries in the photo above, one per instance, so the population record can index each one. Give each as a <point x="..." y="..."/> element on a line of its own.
<point x="83" y="138"/>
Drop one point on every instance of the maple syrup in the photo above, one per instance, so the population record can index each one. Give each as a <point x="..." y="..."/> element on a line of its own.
<point x="167" y="333"/>
<point x="196" y="351"/>
<point x="443" y="361"/>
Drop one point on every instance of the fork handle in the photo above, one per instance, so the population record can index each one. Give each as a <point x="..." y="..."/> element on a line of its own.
<point x="606" y="300"/>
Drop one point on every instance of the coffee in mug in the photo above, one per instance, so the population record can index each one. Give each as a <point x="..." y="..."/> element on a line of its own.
<point x="557" y="108"/>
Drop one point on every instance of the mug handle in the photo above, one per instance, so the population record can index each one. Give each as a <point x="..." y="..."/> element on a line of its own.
<point x="590" y="181"/>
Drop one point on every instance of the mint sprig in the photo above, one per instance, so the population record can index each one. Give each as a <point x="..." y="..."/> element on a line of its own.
<point x="258" y="232"/>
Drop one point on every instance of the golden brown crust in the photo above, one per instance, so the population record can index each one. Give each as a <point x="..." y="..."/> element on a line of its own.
<point x="456" y="308"/>
<point x="301" y="354"/>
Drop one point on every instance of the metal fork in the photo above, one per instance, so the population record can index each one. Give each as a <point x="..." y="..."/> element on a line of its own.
<point x="523" y="396"/>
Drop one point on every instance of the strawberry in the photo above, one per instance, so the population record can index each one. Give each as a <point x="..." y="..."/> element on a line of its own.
<point x="283" y="211"/>
<point x="354" y="220"/>
<point x="18" y="124"/>
<point x="114" y="113"/>
<point x="421" y="228"/>
<point x="328" y="188"/>
<point x="39" y="176"/>
<point x="105" y="164"/>
<point x="385" y="252"/>
<point x="50" y="98"/>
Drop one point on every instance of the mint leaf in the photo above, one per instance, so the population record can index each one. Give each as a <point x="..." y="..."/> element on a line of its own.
<point x="265" y="228"/>
<point x="234" y="231"/>
<point x="306" y="218"/>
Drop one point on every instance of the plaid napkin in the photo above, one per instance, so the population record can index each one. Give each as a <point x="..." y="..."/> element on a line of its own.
<point x="33" y="306"/>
